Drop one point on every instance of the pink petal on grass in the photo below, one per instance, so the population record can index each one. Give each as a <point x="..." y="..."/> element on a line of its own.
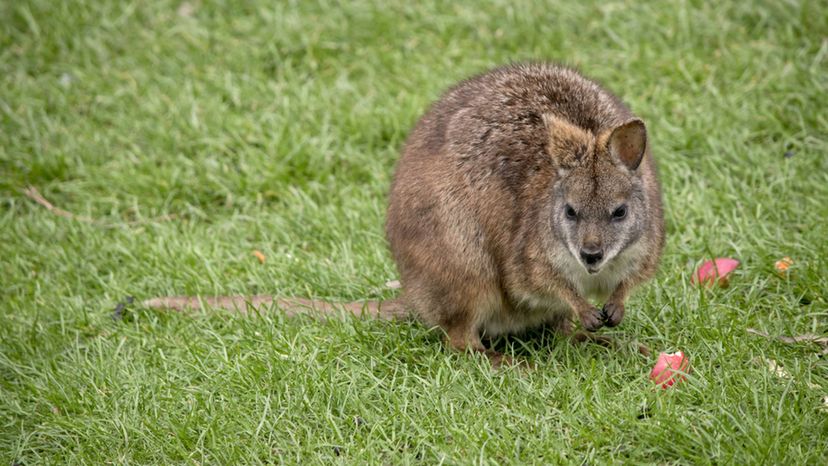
<point x="669" y="369"/>
<point x="715" y="271"/>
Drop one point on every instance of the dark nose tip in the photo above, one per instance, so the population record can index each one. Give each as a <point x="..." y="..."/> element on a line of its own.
<point x="592" y="256"/>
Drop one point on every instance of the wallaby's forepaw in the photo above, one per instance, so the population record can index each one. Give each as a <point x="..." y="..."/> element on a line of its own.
<point x="613" y="314"/>
<point x="592" y="320"/>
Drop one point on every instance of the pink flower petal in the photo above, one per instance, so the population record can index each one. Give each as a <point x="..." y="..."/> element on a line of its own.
<point x="715" y="271"/>
<point x="668" y="369"/>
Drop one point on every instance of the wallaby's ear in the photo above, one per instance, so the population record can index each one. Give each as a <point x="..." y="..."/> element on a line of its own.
<point x="628" y="142"/>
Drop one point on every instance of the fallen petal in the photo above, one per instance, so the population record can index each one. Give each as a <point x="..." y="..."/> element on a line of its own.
<point x="669" y="369"/>
<point x="783" y="264"/>
<point x="715" y="271"/>
<point x="260" y="256"/>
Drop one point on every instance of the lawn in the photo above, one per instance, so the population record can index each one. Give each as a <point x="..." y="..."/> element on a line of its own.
<point x="183" y="136"/>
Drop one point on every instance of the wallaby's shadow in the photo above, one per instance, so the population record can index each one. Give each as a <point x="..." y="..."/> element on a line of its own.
<point x="545" y="340"/>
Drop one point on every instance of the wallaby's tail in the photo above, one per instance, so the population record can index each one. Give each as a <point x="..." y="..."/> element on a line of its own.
<point x="392" y="309"/>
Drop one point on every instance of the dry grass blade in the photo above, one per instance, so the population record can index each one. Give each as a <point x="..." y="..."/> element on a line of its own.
<point x="820" y="340"/>
<point x="34" y="194"/>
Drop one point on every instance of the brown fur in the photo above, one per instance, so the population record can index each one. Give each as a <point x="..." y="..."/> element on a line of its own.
<point x="476" y="200"/>
<point x="478" y="219"/>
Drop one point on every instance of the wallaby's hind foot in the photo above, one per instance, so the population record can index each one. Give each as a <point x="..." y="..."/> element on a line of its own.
<point x="463" y="339"/>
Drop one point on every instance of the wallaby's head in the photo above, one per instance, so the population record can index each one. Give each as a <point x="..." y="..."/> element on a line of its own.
<point x="599" y="206"/>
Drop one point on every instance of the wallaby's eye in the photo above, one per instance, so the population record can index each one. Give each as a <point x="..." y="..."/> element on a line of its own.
<point x="570" y="212"/>
<point x="619" y="213"/>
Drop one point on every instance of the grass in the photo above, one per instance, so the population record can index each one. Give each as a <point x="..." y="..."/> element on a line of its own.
<point x="275" y="126"/>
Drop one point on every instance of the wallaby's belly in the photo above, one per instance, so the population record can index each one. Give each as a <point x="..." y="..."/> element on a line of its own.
<point x="528" y="313"/>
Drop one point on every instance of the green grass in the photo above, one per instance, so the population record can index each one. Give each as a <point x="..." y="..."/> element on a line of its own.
<point x="276" y="125"/>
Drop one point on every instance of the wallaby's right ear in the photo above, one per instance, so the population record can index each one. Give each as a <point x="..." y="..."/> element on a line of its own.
<point x="627" y="143"/>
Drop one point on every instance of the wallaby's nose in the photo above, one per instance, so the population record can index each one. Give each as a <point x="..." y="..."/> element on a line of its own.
<point x="592" y="256"/>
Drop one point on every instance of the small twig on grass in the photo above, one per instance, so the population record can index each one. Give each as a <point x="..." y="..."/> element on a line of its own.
<point x="32" y="193"/>
<point x="820" y="340"/>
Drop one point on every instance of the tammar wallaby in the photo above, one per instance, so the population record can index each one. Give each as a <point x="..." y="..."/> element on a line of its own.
<point x="522" y="194"/>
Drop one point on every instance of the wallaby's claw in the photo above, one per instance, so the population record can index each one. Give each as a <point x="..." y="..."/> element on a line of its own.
<point x="592" y="320"/>
<point x="613" y="314"/>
